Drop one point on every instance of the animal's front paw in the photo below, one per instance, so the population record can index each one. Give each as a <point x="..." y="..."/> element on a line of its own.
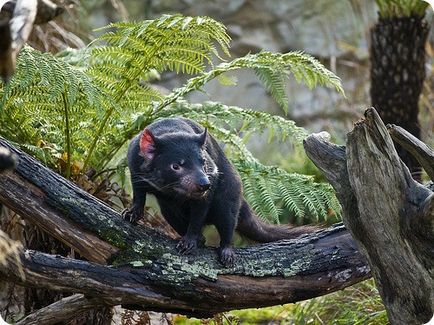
<point x="227" y="256"/>
<point x="132" y="215"/>
<point x="187" y="244"/>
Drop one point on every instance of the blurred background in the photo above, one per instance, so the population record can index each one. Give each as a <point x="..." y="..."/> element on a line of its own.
<point x="336" y="32"/>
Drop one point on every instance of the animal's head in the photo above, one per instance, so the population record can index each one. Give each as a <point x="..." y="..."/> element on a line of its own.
<point x="178" y="163"/>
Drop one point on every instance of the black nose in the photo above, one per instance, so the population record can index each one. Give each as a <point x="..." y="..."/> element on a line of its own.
<point x="204" y="185"/>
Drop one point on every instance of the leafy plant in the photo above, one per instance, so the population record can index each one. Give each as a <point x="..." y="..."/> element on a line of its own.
<point x="42" y="108"/>
<point x="304" y="67"/>
<point x="358" y="304"/>
<point x="76" y="110"/>
<point x="401" y="8"/>
<point x="173" y="43"/>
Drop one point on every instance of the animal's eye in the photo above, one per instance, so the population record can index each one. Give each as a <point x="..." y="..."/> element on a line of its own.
<point x="175" y="166"/>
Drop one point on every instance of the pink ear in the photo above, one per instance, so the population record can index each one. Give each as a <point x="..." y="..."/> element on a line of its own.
<point x="147" y="144"/>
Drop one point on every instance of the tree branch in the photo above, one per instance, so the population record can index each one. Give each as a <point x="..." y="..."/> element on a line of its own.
<point x="423" y="154"/>
<point x="200" y="296"/>
<point x="61" y="311"/>
<point x="30" y="202"/>
<point x="149" y="273"/>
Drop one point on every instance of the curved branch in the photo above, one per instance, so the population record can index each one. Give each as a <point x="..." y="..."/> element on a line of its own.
<point x="419" y="150"/>
<point x="61" y="311"/>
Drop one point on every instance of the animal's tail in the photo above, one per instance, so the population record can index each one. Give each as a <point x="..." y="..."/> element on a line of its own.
<point x="252" y="227"/>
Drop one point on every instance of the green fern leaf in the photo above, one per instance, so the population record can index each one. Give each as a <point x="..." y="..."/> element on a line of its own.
<point x="46" y="100"/>
<point x="272" y="69"/>
<point x="133" y="49"/>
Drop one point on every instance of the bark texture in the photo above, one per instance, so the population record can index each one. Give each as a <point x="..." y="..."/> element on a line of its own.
<point x="61" y="311"/>
<point x="390" y="215"/>
<point x="146" y="271"/>
<point x="397" y="55"/>
<point x="16" y="23"/>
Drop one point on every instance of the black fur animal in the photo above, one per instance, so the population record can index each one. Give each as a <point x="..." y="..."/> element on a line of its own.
<point x="195" y="184"/>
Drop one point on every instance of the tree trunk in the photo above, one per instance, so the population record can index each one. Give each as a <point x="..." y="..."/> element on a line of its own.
<point x="397" y="55"/>
<point x="390" y="215"/>
<point x="147" y="271"/>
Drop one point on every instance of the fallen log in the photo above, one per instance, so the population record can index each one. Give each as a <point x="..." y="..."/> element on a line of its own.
<point x="146" y="272"/>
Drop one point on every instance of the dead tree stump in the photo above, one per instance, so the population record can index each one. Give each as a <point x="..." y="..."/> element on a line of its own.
<point x="390" y="215"/>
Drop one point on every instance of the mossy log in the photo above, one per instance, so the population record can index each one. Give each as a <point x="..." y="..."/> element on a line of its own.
<point x="139" y="267"/>
<point x="390" y="215"/>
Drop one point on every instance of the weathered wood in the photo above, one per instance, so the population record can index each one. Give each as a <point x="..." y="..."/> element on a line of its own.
<point x="149" y="272"/>
<point x="17" y="18"/>
<point x="389" y="214"/>
<point x="423" y="154"/>
<point x="201" y="296"/>
<point x="29" y="201"/>
<point x="46" y="11"/>
<point x="61" y="311"/>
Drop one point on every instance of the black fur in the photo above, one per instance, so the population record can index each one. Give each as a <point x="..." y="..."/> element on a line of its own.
<point x="195" y="185"/>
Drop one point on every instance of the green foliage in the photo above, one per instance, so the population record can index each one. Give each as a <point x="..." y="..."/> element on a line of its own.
<point x="81" y="107"/>
<point x="44" y="104"/>
<point x="271" y="68"/>
<point x="359" y="304"/>
<point x="401" y="8"/>
<point x="134" y="49"/>
<point x="356" y="305"/>
<point x="237" y="119"/>
<point x="270" y="189"/>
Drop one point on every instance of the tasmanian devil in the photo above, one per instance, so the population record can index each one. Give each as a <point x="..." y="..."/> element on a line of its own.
<point x="195" y="184"/>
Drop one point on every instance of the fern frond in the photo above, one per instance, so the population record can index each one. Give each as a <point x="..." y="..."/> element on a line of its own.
<point x="46" y="100"/>
<point x="266" y="187"/>
<point x="274" y="82"/>
<point x="172" y="42"/>
<point x="244" y="119"/>
<point x="272" y="69"/>
<point x="279" y="66"/>
<point x="132" y="50"/>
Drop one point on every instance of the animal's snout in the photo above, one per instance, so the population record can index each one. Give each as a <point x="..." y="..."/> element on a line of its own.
<point x="203" y="184"/>
<point x="204" y="187"/>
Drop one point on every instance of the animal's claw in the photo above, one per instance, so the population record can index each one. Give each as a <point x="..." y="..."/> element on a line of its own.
<point x="187" y="244"/>
<point x="227" y="256"/>
<point x="132" y="215"/>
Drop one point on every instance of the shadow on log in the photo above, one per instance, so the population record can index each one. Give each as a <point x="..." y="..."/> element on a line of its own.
<point x="390" y="215"/>
<point x="146" y="271"/>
